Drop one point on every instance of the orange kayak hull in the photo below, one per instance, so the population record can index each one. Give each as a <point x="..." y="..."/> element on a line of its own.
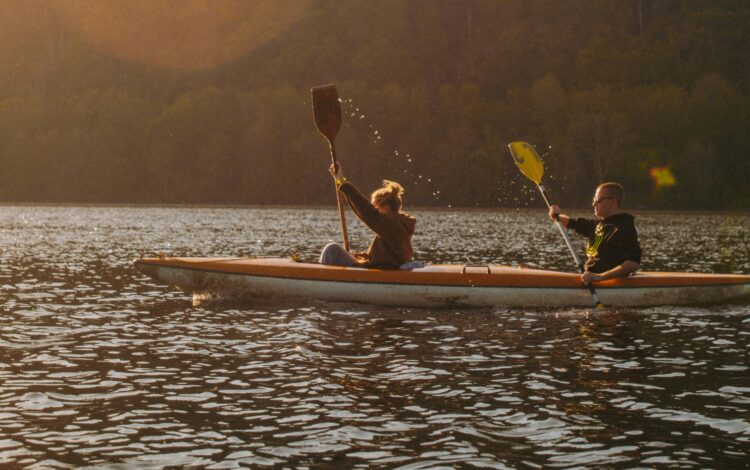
<point x="439" y="285"/>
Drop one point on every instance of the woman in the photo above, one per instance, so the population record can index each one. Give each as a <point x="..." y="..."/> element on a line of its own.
<point x="383" y="215"/>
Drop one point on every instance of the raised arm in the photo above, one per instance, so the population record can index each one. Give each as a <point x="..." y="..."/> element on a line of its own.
<point x="366" y="212"/>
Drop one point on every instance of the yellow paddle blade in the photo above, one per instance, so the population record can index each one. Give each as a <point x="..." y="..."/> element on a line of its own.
<point x="527" y="160"/>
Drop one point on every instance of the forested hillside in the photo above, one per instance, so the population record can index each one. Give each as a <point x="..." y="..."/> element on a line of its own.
<point x="432" y="92"/>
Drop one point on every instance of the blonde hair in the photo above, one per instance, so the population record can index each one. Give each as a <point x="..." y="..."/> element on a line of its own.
<point x="388" y="195"/>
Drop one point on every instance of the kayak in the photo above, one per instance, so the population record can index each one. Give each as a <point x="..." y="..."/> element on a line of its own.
<point x="436" y="285"/>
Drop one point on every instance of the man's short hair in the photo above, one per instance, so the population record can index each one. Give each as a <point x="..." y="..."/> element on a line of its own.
<point x="613" y="190"/>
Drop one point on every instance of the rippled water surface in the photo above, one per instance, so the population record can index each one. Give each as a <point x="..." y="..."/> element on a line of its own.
<point x="100" y="367"/>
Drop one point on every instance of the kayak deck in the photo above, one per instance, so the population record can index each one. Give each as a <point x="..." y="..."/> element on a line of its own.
<point x="436" y="285"/>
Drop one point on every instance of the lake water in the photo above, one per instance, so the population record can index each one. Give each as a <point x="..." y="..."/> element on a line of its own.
<point x="102" y="368"/>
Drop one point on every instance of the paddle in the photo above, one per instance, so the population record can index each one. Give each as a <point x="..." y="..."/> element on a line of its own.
<point x="327" y="112"/>
<point x="528" y="161"/>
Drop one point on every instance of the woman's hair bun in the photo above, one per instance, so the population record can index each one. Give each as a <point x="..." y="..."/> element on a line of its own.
<point x="394" y="188"/>
<point x="389" y="194"/>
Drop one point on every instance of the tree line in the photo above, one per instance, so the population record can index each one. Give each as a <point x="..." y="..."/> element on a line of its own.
<point x="432" y="92"/>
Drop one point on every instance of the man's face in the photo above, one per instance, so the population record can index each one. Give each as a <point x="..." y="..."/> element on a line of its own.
<point x="604" y="204"/>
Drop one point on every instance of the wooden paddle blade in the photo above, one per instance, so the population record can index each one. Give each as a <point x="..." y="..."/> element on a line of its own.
<point x="527" y="160"/>
<point x="326" y="110"/>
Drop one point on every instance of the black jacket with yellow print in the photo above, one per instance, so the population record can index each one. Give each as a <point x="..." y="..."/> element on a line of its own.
<point x="612" y="241"/>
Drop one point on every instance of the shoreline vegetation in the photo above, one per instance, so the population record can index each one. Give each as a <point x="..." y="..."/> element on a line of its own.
<point x="432" y="92"/>
<point x="585" y="211"/>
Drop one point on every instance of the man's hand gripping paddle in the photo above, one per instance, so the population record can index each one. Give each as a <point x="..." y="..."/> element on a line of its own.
<point x="327" y="113"/>
<point x="528" y="161"/>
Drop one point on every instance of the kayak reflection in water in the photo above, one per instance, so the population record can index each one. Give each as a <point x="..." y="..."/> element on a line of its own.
<point x="613" y="250"/>
<point x="383" y="215"/>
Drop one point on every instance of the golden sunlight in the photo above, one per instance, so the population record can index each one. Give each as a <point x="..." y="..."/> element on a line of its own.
<point x="180" y="34"/>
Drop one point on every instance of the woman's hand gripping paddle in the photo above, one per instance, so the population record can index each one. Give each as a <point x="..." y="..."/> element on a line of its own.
<point x="528" y="161"/>
<point x="327" y="112"/>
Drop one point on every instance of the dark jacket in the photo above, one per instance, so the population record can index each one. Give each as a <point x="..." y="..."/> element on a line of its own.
<point x="392" y="244"/>
<point x="612" y="241"/>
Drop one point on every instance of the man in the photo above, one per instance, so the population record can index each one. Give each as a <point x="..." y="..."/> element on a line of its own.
<point x="613" y="250"/>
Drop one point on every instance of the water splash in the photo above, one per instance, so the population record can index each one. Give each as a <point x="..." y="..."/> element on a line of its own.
<point x="395" y="157"/>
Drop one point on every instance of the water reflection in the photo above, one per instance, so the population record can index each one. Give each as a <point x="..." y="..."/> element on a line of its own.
<point x="100" y="366"/>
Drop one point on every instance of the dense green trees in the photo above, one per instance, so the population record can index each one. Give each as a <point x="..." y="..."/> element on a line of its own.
<point x="432" y="91"/>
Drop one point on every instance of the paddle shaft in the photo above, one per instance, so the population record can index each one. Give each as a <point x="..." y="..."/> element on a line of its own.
<point x="327" y="114"/>
<point x="339" y="197"/>
<point x="564" y="233"/>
